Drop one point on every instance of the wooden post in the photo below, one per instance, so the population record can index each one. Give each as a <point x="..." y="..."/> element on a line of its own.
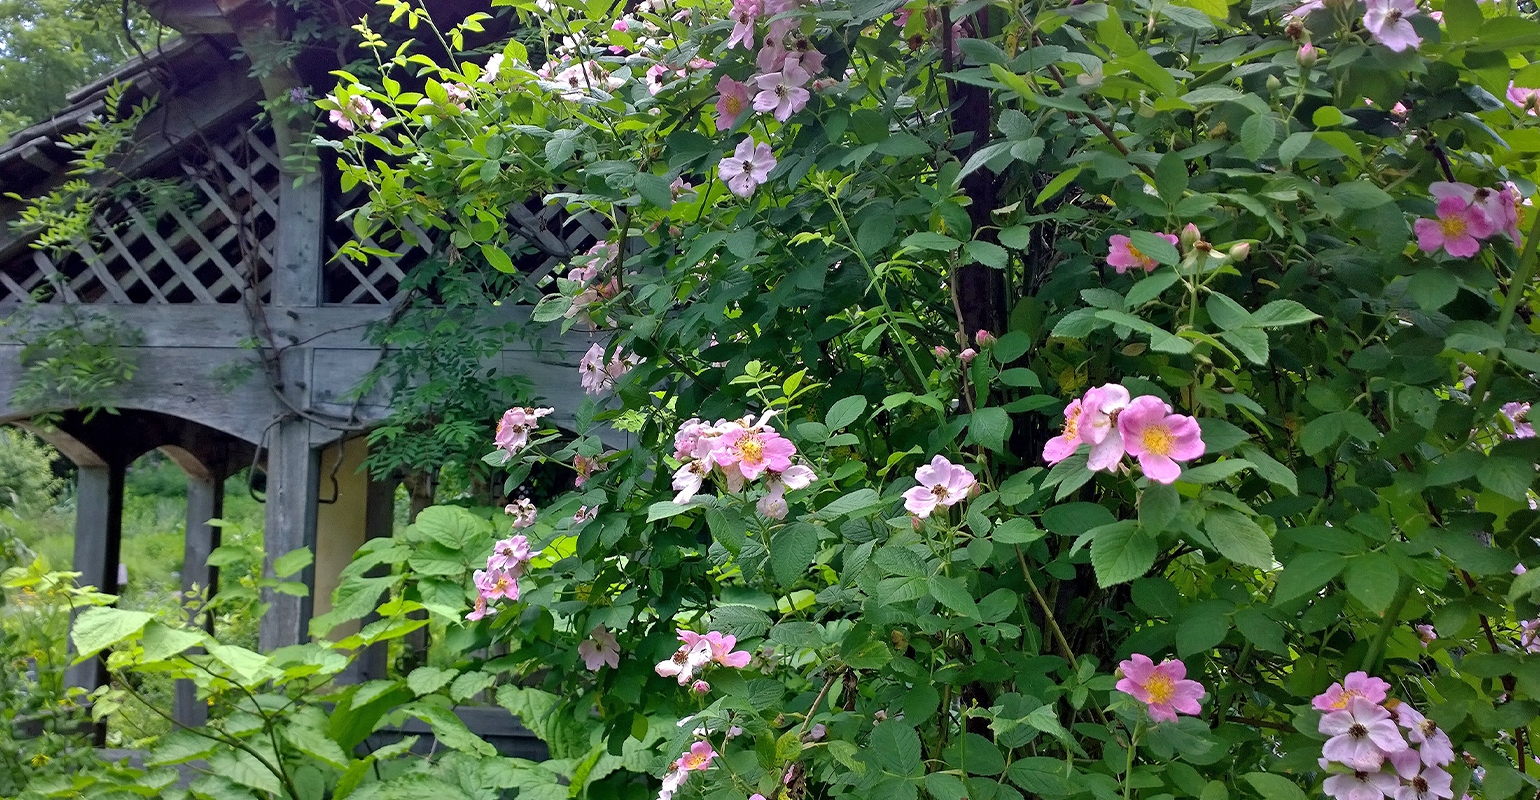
<point x="205" y="501"/>
<point x="297" y="279"/>
<point x="379" y="522"/>
<point x="98" y="535"/>
<point x="293" y="476"/>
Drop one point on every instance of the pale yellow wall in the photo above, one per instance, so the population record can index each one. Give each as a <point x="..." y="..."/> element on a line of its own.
<point x="340" y="525"/>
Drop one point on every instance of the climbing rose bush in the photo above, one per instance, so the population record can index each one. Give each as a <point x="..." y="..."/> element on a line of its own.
<point x="1111" y="400"/>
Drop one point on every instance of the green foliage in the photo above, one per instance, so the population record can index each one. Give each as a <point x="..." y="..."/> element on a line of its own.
<point x="1352" y="486"/>
<point x="27" y="481"/>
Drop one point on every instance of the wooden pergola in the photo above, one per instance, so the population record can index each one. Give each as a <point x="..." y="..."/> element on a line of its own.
<point x="248" y="256"/>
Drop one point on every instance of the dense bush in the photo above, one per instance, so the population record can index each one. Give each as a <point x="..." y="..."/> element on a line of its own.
<point x="1267" y="262"/>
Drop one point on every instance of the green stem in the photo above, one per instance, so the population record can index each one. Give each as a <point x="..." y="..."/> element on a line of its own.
<point x="1516" y="289"/>
<point x="1128" y="765"/>
<point x="1391" y="619"/>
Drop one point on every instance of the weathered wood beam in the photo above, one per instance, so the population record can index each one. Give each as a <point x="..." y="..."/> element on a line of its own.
<point x="205" y="501"/>
<point x="98" y="536"/>
<point x="293" y="478"/>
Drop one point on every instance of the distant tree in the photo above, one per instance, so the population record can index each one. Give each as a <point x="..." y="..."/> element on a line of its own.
<point x="27" y="481"/>
<point x="50" y="47"/>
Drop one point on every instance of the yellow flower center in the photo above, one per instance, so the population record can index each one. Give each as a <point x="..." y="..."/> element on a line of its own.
<point x="1072" y="425"/>
<point x="695" y="760"/>
<point x="1342" y="699"/>
<point x="1453" y="227"/>
<point x="1157" y="440"/>
<point x="734" y="105"/>
<point x="751" y="449"/>
<point x="1160" y="687"/>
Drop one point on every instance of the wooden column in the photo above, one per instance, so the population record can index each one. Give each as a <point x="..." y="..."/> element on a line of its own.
<point x="293" y="474"/>
<point x="297" y="279"/>
<point x="98" y="535"/>
<point x="379" y="522"/>
<point x="205" y="501"/>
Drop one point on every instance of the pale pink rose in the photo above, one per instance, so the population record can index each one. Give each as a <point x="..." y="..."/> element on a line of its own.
<point x="1163" y="688"/>
<point x="1362" y="735"/>
<point x="1361" y="785"/>
<point x="754" y="450"/>
<point x="1518" y="416"/>
<point x="1356" y="684"/>
<point x="1429" y="784"/>
<point x="721" y="646"/>
<point x="1100" y="405"/>
<point x="1387" y="21"/>
<point x="781" y="93"/>
<point x="942" y="483"/>
<point x="744" y="14"/>
<point x="1427" y="634"/>
<point x="1527" y="99"/>
<point x="512" y="555"/>
<point x="1435" y="749"/>
<point x="1159" y="438"/>
<point x="1124" y="256"/>
<point x="599" y="649"/>
<point x="657" y="75"/>
<point x="688" y="480"/>
<point x="496" y="584"/>
<point x="515" y="426"/>
<point x="1068" y="441"/>
<point x="748" y="167"/>
<point x="698" y="758"/>
<point x="967" y="355"/>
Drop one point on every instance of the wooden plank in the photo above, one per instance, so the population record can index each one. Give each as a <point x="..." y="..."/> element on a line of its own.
<point x="293" y="476"/>
<point x="297" y="268"/>
<point x="98" y="534"/>
<point x="205" y="501"/>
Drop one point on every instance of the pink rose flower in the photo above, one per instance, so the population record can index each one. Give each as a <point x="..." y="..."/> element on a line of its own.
<point x="748" y="167"/>
<point x="1362" y="735"/>
<point x="1528" y="100"/>
<point x="754" y="450"/>
<point x="1356" y="684"/>
<point x="515" y="426"/>
<point x="1518" y="417"/>
<point x="1435" y="749"/>
<point x="1361" y="785"/>
<point x="781" y="93"/>
<point x="1124" y="256"/>
<point x="942" y="483"/>
<point x="599" y="649"/>
<point x="1387" y="21"/>
<point x="967" y="355"/>
<point x="732" y="102"/>
<point x="697" y="758"/>
<point x="1459" y="229"/>
<point x="511" y="555"/>
<point x="1429" y="784"/>
<point x="745" y="13"/>
<point x="1090" y="420"/>
<point x="1159" y="438"/>
<point x="1163" y="688"/>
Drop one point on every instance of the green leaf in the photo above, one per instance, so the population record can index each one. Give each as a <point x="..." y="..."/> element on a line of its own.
<point x="1121" y="552"/>
<point x="499" y="260"/>
<point x="858" y="500"/>
<point x="317" y="744"/>
<point x="953" y="594"/>
<point x="1274" y="787"/>
<point x="101" y="627"/>
<point x="1158" y="506"/>
<point x="1214" y="472"/>
<point x="927" y="240"/>
<point x="1150" y="288"/>
<point x="1238" y="538"/>
<point x="1373" y="579"/>
<point x="1155" y="247"/>
<point x="990" y="427"/>
<point x="1057" y="185"/>
<point x="1432" y="289"/>
<point x="1360" y="195"/>
<point x="1282" y="312"/>
<point x="1226" y="313"/>
<point x="1171" y="177"/>
<point x="449" y="730"/>
<point x="1220" y="436"/>
<point x="1293" y="146"/>
<point x="245" y="770"/>
<point x="1306" y="574"/>
<point x="897" y="747"/>
<point x="656" y="189"/>
<point x="1251" y="342"/>
<point x="470" y="684"/>
<point x="1258" y="134"/>
<point x="1270" y="469"/>
<point x="427" y="680"/>
<point x="664" y="509"/>
<point x="162" y="642"/>
<point x="792" y="550"/>
<point x="987" y="253"/>
<point x="1020" y="530"/>
<point x="1509" y="477"/>
<point x="845" y="411"/>
<point x="293" y="561"/>
<point x="942" y="786"/>
<point x="744" y="622"/>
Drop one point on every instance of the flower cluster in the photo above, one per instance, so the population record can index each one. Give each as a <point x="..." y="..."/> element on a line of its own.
<point x="1115" y="424"/>
<point x="740" y="451"/>
<point x="500" y="580"/>
<point x="1465" y="216"/>
<point x="599" y="376"/>
<point x="1367" y="754"/>
<point x="698" y="652"/>
<point x="593" y="283"/>
<point x="1163" y="688"/>
<point x="1388" y="21"/>
<point x="942" y="483"/>
<point x="514" y="428"/>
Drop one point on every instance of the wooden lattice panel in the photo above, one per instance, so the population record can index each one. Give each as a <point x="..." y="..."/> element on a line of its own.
<point x="548" y="238"/>
<point x="213" y="244"/>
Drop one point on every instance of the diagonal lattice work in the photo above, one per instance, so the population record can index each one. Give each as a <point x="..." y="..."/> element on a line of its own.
<point x="207" y="235"/>
<point x="546" y="239"/>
